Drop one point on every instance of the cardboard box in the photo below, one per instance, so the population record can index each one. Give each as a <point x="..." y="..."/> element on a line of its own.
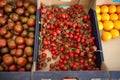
<point x="111" y="49"/>
<point x="89" y="6"/>
<point x="107" y="2"/>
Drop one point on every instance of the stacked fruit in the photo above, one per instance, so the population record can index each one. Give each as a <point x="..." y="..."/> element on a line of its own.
<point x="66" y="33"/>
<point x="108" y="20"/>
<point x="17" y="24"/>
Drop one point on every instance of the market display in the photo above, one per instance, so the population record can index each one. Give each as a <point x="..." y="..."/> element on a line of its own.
<point x="67" y="35"/>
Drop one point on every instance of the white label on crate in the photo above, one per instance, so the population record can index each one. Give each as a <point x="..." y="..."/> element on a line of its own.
<point x="95" y="79"/>
<point x="65" y="0"/>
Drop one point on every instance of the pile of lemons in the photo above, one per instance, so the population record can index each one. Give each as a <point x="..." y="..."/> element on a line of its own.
<point x="108" y="17"/>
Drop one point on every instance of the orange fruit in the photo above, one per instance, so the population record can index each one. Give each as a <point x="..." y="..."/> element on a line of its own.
<point x="105" y="16"/>
<point x="108" y="25"/>
<point x="117" y="24"/>
<point x="114" y="33"/>
<point x="119" y="16"/>
<point x="118" y="9"/>
<point x="112" y="9"/>
<point x="106" y="36"/>
<point x="97" y="9"/>
<point x="104" y="9"/>
<point x="113" y="17"/>
<point x="98" y="17"/>
<point x="100" y="25"/>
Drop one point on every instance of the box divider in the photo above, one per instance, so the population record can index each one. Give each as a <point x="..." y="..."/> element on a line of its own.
<point x="36" y="37"/>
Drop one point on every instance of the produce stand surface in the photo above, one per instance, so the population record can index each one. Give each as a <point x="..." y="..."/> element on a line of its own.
<point x="77" y="75"/>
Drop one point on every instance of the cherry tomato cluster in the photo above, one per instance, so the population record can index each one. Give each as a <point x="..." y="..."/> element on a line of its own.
<point x="66" y="33"/>
<point x="17" y="31"/>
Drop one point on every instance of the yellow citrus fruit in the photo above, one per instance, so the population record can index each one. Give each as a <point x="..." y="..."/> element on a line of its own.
<point x="113" y="17"/>
<point x="105" y="16"/>
<point x="118" y="9"/>
<point x="97" y="9"/>
<point x="114" y="33"/>
<point x="106" y="36"/>
<point x="112" y="9"/>
<point x="117" y="24"/>
<point x="100" y="25"/>
<point x="98" y="17"/>
<point x="104" y="9"/>
<point x="108" y="25"/>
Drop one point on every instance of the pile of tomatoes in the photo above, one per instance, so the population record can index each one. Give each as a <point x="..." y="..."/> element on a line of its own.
<point x="17" y="27"/>
<point x="66" y="33"/>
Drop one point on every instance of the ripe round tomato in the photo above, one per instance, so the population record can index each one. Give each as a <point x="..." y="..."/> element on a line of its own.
<point x="3" y="42"/>
<point x="28" y="51"/>
<point x="18" y="28"/>
<point x="31" y="22"/>
<point x="19" y="40"/>
<point x="21" y="61"/>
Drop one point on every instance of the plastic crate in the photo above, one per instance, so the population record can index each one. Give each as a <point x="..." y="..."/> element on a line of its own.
<point x="96" y="34"/>
<point x="71" y="75"/>
<point x="115" y="75"/>
<point x="15" y="76"/>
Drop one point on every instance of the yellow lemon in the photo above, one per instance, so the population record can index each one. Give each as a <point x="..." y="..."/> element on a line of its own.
<point x="98" y="17"/>
<point x="100" y="25"/>
<point x="97" y="9"/>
